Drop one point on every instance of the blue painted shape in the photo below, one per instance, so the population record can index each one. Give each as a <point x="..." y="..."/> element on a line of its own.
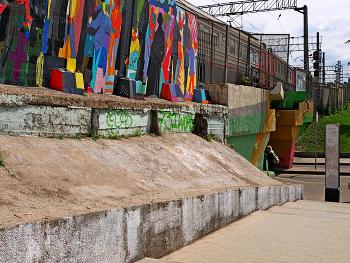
<point x="46" y="35"/>
<point x="72" y="41"/>
<point x="199" y="95"/>
<point x="89" y="46"/>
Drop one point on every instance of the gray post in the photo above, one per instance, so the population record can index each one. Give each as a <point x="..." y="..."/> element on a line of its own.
<point x="211" y="52"/>
<point x="318" y="57"/>
<point x="306" y="38"/>
<point x="247" y="65"/>
<point x="316" y="141"/>
<point x="324" y="68"/>
<point x="226" y="55"/>
<point x="303" y="10"/>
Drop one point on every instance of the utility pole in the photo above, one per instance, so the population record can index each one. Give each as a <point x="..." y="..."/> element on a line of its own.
<point x="324" y="68"/>
<point x="317" y="59"/>
<point x="303" y="10"/>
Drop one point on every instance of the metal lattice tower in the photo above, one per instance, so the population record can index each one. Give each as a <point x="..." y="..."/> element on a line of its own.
<point x="248" y="6"/>
<point x="254" y="6"/>
<point x="335" y="73"/>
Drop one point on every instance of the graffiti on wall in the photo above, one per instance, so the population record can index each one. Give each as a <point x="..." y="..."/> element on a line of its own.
<point x="118" y="119"/>
<point x="173" y="121"/>
<point x="151" y="41"/>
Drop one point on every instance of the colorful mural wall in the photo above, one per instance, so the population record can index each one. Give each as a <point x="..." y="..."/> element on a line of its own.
<point x="250" y="119"/>
<point x="150" y="41"/>
<point x="293" y="115"/>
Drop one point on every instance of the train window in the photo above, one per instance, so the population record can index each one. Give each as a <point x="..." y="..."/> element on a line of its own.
<point x="216" y="40"/>
<point x="223" y="43"/>
<point x="243" y="52"/>
<point x="232" y="46"/>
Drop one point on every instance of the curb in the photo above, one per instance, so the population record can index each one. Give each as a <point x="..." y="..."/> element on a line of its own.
<point x="319" y="154"/>
<point x="288" y="171"/>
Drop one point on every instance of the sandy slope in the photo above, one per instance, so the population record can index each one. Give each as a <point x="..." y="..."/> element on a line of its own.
<point x="46" y="178"/>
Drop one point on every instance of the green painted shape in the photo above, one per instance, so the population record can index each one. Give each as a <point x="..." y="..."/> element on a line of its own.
<point x="308" y="117"/>
<point x="9" y="68"/>
<point x="302" y="128"/>
<point x="290" y="97"/>
<point x="13" y="46"/>
<point x="244" y="145"/>
<point x="31" y="75"/>
<point x="245" y="125"/>
<point x="23" y="74"/>
<point x="261" y="164"/>
<point x="36" y="50"/>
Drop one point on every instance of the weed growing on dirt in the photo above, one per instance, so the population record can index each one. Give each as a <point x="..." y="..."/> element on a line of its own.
<point x="2" y="163"/>
<point x="78" y="137"/>
<point x="110" y="137"/>
<point x="60" y="137"/>
<point x="212" y="137"/>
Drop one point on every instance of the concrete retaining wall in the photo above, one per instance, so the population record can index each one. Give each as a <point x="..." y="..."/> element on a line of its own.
<point x="19" y="118"/>
<point x="44" y="121"/>
<point x="130" y="234"/>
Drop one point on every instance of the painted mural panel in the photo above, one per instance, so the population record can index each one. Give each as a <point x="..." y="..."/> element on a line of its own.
<point x="150" y="41"/>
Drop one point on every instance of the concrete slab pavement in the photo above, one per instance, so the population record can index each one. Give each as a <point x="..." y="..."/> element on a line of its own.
<point x="303" y="231"/>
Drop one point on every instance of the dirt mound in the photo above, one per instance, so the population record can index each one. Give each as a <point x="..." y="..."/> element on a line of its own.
<point x="47" y="178"/>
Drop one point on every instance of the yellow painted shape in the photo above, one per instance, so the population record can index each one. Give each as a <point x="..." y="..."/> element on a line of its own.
<point x="283" y="138"/>
<point x="135" y="46"/>
<point x="39" y="70"/>
<point x="48" y="9"/>
<point x="72" y="8"/>
<point x="146" y="85"/>
<point x="66" y="51"/>
<point x="277" y="93"/>
<point x="270" y="121"/>
<point x="259" y="148"/>
<point x="79" y="79"/>
<point x="289" y="117"/>
<point x="71" y="64"/>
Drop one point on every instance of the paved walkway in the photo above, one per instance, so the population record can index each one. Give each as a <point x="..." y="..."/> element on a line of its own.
<point x="303" y="231"/>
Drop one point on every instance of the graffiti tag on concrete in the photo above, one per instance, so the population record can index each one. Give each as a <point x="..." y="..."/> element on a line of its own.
<point x="241" y="133"/>
<point x="174" y="121"/>
<point x="117" y="119"/>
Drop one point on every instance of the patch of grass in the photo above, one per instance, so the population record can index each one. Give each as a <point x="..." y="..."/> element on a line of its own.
<point x="2" y="162"/>
<point x="60" y="137"/>
<point x="110" y="137"/>
<point x="211" y="137"/>
<point x="78" y="137"/>
<point x="306" y="141"/>
<point x="92" y="135"/>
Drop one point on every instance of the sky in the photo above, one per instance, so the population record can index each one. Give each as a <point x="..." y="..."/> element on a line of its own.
<point x="330" y="18"/>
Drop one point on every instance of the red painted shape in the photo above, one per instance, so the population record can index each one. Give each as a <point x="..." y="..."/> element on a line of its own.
<point x="89" y="90"/>
<point x="286" y="160"/>
<point x="56" y="80"/>
<point x="166" y="93"/>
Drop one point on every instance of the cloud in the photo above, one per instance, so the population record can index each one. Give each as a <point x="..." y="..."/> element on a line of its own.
<point x="330" y="24"/>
